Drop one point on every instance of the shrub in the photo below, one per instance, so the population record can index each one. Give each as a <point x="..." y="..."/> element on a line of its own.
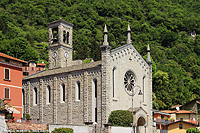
<point x="9" y="116"/>
<point x="192" y="130"/>
<point x="28" y="117"/>
<point x="63" y="130"/>
<point x="121" y="118"/>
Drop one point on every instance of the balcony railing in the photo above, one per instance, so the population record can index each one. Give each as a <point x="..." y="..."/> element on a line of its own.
<point x="162" y="121"/>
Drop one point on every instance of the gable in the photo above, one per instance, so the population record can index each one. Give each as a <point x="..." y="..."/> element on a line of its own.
<point x="128" y="51"/>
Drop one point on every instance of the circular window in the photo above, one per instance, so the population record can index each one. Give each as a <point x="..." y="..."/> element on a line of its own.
<point x="129" y="82"/>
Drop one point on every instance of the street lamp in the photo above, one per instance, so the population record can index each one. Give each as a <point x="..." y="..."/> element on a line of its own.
<point x="140" y="93"/>
<point x="95" y="124"/>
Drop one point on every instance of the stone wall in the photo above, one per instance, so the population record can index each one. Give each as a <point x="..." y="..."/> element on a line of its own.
<point x="71" y="111"/>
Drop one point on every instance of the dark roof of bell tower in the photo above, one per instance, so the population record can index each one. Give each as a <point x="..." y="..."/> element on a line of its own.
<point x="60" y="21"/>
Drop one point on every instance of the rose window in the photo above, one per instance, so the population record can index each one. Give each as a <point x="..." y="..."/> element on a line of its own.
<point x="129" y="82"/>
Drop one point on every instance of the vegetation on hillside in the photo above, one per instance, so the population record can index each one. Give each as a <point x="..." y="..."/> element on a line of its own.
<point x="164" y="24"/>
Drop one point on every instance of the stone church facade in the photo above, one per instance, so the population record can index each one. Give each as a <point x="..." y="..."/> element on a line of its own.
<point x="74" y="93"/>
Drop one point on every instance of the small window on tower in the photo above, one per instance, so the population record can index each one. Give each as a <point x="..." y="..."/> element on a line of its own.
<point x="67" y="37"/>
<point x="55" y="35"/>
<point x="64" y="36"/>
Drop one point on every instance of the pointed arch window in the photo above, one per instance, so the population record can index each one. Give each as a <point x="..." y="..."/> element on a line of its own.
<point x="48" y="95"/>
<point x="62" y="93"/>
<point x="114" y="81"/>
<point x="78" y="91"/>
<point x="94" y="100"/>
<point x="35" y="96"/>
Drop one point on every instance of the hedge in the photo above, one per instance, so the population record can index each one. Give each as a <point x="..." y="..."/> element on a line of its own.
<point x="192" y="130"/>
<point x="63" y="130"/>
<point x="121" y="118"/>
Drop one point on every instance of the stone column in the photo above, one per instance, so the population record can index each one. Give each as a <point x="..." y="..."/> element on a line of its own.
<point x="50" y="36"/>
<point x="54" y="100"/>
<point x="60" y="34"/>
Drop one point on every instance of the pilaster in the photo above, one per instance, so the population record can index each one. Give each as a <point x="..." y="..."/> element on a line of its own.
<point x="28" y="97"/>
<point x="85" y="97"/>
<point x="41" y="100"/>
<point x="69" y="99"/>
<point x="105" y="55"/>
<point x="54" y="100"/>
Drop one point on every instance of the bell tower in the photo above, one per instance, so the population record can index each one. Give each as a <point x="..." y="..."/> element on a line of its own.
<point x="60" y="44"/>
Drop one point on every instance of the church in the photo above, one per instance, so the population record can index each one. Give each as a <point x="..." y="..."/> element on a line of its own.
<point x="76" y="93"/>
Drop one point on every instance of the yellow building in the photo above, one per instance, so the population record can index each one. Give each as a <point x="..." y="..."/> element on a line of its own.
<point x="181" y="126"/>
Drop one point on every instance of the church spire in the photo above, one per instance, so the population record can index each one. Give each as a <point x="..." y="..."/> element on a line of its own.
<point x="105" y="36"/>
<point x="128" y="35"/>
<point x="148" y="55"/>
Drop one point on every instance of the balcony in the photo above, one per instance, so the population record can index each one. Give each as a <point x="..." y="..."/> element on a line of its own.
<point x="162" y="121"/>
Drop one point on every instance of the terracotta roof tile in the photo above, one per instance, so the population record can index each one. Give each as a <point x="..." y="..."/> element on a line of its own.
<point x="25" y="126"/>
<point x="41" y="64"/>
<point x="178" y="112"/>
<point x="10" y="57"/>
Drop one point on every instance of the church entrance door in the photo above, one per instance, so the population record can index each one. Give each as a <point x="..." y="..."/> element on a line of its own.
<point x="140" y="125"/>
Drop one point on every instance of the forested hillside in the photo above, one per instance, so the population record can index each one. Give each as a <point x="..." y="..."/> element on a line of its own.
<point x="164" y="24"/>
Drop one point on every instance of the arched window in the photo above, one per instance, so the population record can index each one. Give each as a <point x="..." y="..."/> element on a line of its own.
<point x="35" y="96"/>
<point x="64" y="36"/>
<point x="94" y="100"/>
<point x="114" y="82"/>
<point x="78" y="91"/>
<point x="48" y="95"/>
<point x="180" y="126"/>
<point x="67" y="37"/>
<point x="62" y="93"/>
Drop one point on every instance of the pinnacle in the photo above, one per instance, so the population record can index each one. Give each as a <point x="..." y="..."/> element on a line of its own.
<point x="105" y="29"/>
<point x="128" y="29"/>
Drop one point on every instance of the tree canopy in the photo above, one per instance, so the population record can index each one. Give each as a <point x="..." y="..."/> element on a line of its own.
<point x="166" y="25"/>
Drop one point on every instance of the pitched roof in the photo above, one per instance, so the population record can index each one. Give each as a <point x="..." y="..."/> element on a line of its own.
<point x="25" y="126"/>
<point x="96" y="64"/>
<point x="178" y="112"/>
<point x="160" y="112"/>
<point x="192" y="123"/>
<point x="10" y="57"/>
<point x="197" y="99"/>
<point x="41" y="64"/>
